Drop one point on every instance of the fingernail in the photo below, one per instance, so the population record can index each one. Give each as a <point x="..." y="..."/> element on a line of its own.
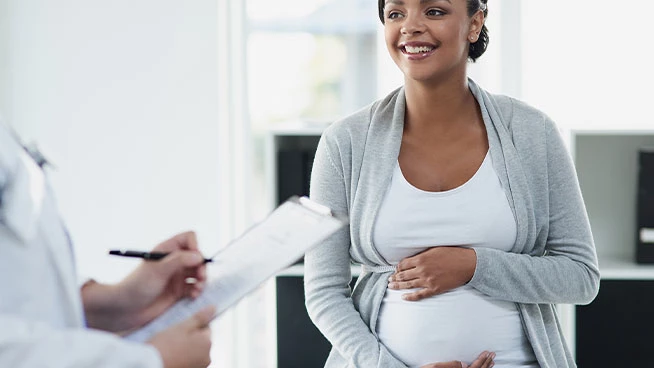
<point x="390" y="279"/>
<point x="198" y="258"/>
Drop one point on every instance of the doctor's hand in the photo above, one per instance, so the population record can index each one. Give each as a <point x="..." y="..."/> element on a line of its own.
<point x="484" y="360"/>
<point x="152" y="288"/>
<point x="187" y="344"/>
<point x="435" y="271"/>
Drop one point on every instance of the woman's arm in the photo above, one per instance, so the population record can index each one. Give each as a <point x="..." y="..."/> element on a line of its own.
<point x="328" y="274"/>
<point x="568" y="272"/>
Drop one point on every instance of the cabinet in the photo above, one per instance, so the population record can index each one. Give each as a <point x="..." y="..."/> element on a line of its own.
<point x="619" y="322"/>
<point x="290" y="151"/>
<point x="298" y="342"/>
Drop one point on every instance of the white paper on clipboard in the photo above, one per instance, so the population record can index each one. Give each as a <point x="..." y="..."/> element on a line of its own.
<point x="265" y="249"/>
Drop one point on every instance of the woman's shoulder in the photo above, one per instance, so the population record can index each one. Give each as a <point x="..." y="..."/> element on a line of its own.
<point x="516" y="115"/>
<point x="519" y="116"/>
<point x="357" y="124"/>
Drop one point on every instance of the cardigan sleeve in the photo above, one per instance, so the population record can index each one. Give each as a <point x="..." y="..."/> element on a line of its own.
<point x="327" y="275"/>
<point x="568" y="271"/>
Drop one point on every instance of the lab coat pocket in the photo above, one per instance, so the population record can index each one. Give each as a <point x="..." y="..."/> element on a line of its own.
<point x="22" y="199"/>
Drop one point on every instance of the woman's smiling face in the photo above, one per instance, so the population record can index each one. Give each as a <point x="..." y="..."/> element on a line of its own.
<point x="428" y="39"/>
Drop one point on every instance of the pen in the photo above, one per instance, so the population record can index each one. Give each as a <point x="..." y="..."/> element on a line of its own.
<point x="149" y="256"/>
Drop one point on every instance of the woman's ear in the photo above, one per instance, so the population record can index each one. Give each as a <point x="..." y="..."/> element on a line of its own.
<point x="476" y="24"/>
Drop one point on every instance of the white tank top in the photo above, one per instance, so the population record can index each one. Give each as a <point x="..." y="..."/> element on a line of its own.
<point x="459" y="324"/>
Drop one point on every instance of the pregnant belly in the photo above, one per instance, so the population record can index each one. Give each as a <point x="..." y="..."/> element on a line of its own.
<point x="457" y="325"/>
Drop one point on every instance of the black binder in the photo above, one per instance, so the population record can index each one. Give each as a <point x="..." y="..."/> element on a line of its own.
<point x="293" y="173"/>
<point x="645" y="207"/>
<point x="290" y="174"/>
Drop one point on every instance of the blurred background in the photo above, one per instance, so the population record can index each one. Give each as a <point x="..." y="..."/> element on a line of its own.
<point x="157" y="114"/>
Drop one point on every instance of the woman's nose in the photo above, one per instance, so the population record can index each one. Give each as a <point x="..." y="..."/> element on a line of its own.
<point x="412" y="25"/>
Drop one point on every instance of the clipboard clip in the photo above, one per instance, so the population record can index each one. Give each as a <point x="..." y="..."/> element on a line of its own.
<point x="317" y="207"/>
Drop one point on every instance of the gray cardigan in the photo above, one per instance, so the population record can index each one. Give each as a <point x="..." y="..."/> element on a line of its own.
<point x="553" y="259"/>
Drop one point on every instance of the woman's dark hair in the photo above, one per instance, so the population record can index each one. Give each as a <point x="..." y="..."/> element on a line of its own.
<point x="476" y="49"/>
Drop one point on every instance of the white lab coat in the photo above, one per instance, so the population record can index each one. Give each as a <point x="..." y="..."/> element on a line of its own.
<point x="41" y="314"/>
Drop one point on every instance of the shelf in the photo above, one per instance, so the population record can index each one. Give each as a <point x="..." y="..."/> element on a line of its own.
<point x="610" y="269"/>
<point x="300" y="128"/>
<point x="623" y="269"/>
<point x="639" y="130"/>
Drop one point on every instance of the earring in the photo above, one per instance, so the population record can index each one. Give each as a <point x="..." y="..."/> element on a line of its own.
<point x="472" y="38"/>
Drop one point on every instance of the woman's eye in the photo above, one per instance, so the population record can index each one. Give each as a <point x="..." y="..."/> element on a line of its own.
<point x="394" y="15"/>
<point x="435" y="12"/>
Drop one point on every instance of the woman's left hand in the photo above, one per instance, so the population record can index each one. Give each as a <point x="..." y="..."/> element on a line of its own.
<point x="435" y="271"/>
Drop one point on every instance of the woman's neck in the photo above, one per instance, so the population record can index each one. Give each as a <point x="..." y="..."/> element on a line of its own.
<point x="437" y="105"/>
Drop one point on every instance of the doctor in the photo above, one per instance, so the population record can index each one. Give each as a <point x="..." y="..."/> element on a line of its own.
<point x="47" y="321"/>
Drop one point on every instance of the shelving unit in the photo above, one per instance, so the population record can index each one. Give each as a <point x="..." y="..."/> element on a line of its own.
<point x="298" y="342"/>
<point x="296" y="136"/>
<point x="607" y="167"/>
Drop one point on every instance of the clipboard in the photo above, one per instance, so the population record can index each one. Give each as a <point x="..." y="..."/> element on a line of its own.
<point x="246" y="262"/>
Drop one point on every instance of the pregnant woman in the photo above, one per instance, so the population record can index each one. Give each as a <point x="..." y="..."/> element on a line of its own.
<point x="465" y="213"/>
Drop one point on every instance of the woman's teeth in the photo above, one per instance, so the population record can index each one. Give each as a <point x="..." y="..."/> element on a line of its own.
<point x="417" y="49"/>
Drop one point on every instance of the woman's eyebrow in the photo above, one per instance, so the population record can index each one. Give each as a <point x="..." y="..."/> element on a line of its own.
<point x="400" y="2"/>
<point x="433" y="1"/>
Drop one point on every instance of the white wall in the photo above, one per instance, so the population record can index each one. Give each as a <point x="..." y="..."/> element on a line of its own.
<point x="588" y="64"/>
<point x="122" y="97"/>
<point x="4" y="39"/>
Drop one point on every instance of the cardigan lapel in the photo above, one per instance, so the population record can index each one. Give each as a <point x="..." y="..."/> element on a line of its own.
<point x="382" y="148"/>
<point x="506" y="162"/>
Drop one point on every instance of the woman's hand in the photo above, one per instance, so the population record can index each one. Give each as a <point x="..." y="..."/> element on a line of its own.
<point x="435" y="270"/>
<point x="152" y="288"/>
<point x="484" y="360"/>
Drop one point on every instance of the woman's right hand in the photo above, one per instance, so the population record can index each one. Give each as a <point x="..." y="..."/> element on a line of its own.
<point x="484" y="360"/>
<point x="186" y="344"/>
